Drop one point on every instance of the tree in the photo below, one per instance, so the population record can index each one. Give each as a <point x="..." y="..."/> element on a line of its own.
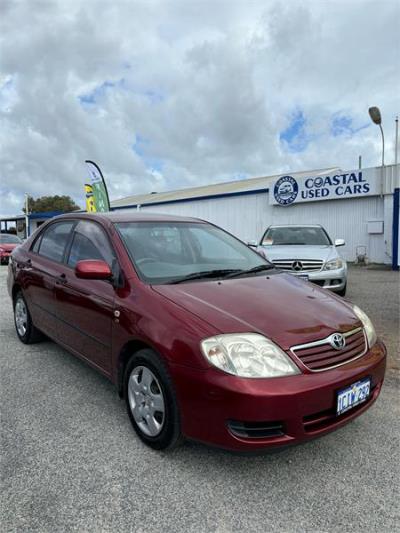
<point x="51" y="203"/>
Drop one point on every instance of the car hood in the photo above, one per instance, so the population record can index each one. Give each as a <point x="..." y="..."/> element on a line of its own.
<point x="8" y="247"/>
<point x="280" y="306"/>
<point x="324" y="253"/>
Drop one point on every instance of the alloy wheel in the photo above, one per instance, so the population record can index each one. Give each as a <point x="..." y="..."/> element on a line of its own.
<point x="146" y="401"/>
<point x="21" y="317"/>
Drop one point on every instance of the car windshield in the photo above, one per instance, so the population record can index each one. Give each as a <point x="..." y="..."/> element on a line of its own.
<point x="175" y="252"/>
<point x="9" y="239"/>
<point x="295" y="235"/>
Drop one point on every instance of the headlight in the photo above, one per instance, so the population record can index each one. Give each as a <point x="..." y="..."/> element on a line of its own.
<point x="368" y="325"/>
<point x="334" y="264"/>
<point x="248" y="355"/>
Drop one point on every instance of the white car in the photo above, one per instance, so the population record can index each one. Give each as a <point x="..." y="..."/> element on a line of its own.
<point x="307" y="252"/>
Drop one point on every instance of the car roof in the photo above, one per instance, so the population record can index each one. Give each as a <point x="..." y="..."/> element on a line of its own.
<point x="130" y="216"/>
<point x="295" y="226"/>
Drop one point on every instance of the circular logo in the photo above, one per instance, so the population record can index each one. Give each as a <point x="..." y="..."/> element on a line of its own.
<point x="337" y="341"/>
<point x="318" y="182"/>
<point x="286" y="190"/>
<point x="297" y="266"/>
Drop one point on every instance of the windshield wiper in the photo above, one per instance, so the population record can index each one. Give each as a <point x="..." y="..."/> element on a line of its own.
<point x="253" y="270"/>
<point x="204" y="274"/>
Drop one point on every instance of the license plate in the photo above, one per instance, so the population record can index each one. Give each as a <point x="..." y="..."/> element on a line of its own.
<point x="353" y="395"/>
<point x="303" y="276"/>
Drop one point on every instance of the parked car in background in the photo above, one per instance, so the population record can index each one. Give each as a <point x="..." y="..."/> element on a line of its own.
<point x="8" y="242"/>
<point x="307" y="252"/>
<point x="201" y="335"/>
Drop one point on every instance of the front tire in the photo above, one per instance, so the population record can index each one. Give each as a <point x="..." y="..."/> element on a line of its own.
<point x="342" y="292"/>
<point x="151" y="401"/>
<point x="26" y="331"/>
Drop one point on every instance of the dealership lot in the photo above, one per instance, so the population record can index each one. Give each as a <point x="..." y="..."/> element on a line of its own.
<point x="71" y="460"/>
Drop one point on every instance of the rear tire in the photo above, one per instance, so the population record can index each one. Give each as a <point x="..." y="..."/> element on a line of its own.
<point x="151" y="401"/>
<point x="342" y="292"/>
<point x="26" y="331"/>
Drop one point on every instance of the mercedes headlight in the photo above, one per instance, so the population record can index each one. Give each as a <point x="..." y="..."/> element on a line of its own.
<point x="334" y="264"/>
<point x="248" y="355"/>
<point x="368" y="325"/>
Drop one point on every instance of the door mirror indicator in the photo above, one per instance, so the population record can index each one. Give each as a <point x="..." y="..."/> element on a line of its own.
<point x="339" y="242"/>
<point x="252" y="244"/>
<point x="93" y="269"/>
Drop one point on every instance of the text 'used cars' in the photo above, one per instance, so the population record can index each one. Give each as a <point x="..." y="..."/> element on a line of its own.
<point x="202" y="336"/>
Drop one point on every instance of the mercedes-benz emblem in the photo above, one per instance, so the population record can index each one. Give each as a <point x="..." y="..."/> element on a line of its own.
<point x="337" y="341"/>
<point x="297" y="266"/>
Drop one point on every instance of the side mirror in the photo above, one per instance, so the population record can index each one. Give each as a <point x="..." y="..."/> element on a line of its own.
<point x="253" y="244"/>
<point x="92" y="269"/>
<point x="339" y="242"/>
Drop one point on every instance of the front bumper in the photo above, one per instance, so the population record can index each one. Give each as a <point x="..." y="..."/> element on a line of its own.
<point x="334" y="280"/>
<point x="215" y="406"/>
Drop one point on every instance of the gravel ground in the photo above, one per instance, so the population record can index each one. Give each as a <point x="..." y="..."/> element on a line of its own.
<point x="377" y="292"/>
<point x="71" y="462"/>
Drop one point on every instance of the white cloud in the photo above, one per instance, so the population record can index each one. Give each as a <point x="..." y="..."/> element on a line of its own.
<point x="208" y="87"/>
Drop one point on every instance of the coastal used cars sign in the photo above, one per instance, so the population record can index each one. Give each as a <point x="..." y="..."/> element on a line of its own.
<point x="288" y="190"/>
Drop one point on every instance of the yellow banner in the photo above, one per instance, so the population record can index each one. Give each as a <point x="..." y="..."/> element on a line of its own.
<point x="90" y="203"/>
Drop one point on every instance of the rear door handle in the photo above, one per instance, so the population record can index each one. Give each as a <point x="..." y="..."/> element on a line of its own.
<point x="26" y="265"/>
<point x="62" y="278"/>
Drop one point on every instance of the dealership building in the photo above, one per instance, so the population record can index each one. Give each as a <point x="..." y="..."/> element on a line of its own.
<point x="361" y="206"/>
<point x="23" y="225"/>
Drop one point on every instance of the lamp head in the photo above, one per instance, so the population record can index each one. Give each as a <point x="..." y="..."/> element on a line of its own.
<point x="375" y="115"/>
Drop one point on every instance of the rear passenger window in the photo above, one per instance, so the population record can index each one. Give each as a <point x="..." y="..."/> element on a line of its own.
<point x="90" y="242"/>
<point x="36" y="246"/>
<point x="54" y="240"/>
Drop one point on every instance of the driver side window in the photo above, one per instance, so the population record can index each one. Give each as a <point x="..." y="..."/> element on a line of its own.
<point x="90" y="242"/>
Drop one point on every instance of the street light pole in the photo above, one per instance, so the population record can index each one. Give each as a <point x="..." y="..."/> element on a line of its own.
<point x="383" y="145"/>
<point x="26" y="215"/>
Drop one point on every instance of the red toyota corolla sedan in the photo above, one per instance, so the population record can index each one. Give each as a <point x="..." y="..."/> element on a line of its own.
<point x="201" y="335"/>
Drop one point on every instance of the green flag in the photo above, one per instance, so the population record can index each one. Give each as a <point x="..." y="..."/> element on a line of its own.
<point x="100" y="193"/>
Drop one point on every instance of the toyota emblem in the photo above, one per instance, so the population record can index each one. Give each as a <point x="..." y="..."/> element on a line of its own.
<point x="297" y="266"/>
<point x="337" y="341"/>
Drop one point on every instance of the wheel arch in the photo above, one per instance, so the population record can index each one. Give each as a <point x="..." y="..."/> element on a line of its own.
<point x="130" y="348"/>
<point x="16" y="288"/>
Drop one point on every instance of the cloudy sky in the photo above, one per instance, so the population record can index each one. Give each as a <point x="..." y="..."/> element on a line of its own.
<point x="170" y="94"/>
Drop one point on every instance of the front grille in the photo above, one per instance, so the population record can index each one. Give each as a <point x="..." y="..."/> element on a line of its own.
<point x="321" y="355"/>
<point x="255" y="430"/>
<point x="298" y="265"/>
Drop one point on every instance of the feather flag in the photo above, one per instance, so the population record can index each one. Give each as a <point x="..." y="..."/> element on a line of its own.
<point x="101" y="200"/>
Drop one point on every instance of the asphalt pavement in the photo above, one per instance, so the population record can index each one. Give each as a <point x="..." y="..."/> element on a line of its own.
<point x="72" y="462"/>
